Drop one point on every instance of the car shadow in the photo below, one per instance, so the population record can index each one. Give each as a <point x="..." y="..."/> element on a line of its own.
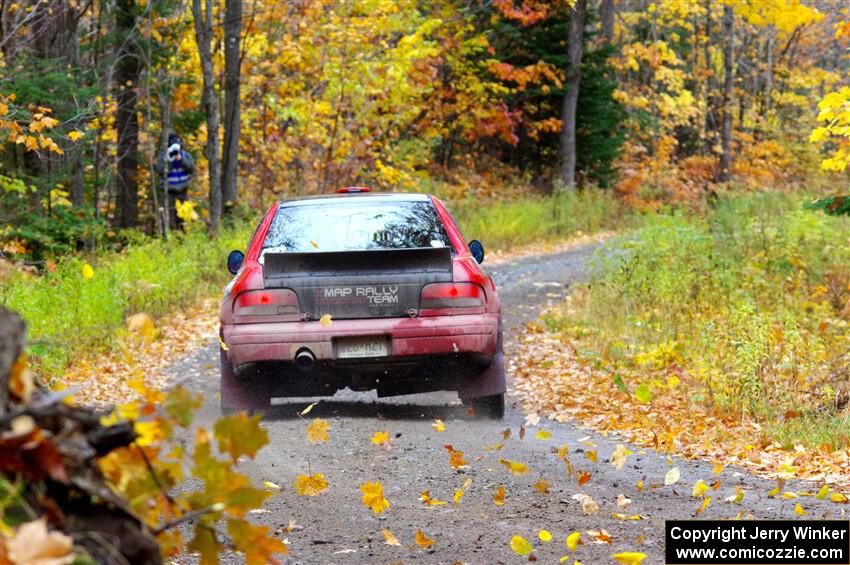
<point x="368" y="409"/>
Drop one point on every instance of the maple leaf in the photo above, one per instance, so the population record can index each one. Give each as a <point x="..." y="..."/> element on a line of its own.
<point x="326" y="320"/>
<point x="423" y="541"/>
<point x="583" y="477"/>
<point x="462" y="491"/>
<point x="542" y="486"/>
<point x="310" y="485"/>
<point x="373" y="497"/>
<point x="75" y="135"/>
<point x="34" y="544"/>
<point x="438" y="426"/>
<point x="389" y="538"/>
<point x="514" y="467"/>
<point x="499" y="496"/>
<point x="380" y="438"/>
<point x="317" y="431"/>
<point x="425" y="497"/>
<point x="456" y="459"/>
<point x="240" y="434"/>
<point x="255" y="542"/>
<point x="520" y="545"/>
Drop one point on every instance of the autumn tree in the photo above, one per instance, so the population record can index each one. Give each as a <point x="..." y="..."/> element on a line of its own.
<point x="128" y="68"/>
<point x="232" y="119"/>
<point x="575" y="44"/>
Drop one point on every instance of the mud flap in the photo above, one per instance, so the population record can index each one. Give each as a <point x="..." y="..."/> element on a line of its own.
<point x="237" y="395"/>
<point x="489" y="381"/>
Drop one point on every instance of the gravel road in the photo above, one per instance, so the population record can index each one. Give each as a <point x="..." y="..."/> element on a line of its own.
<point x="334" y="527"/>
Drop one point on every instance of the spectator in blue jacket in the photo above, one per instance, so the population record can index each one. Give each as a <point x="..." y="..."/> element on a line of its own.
<point x="180" y="167"/>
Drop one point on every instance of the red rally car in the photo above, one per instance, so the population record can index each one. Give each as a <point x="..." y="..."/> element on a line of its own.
<point x="360" y="290"/>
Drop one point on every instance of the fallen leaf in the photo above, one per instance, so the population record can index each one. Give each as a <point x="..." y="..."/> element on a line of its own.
<point x="514" y="467"/>
<point x="317" y="431"/>
<point x="310" y="485"/>
<point x="389" y="538"/>
<point x="462" y="491"/>
<point x="573" y="540"/>
<point x="542" y="486"/>
<point x="839" y="498"/>
<point x="423" y="541"/>
<point x="737" y="497"/>
<point x="494" y="447"/>
<point x="521" y="432"/>
<point x="438" y="426"/>
<point x="643" y="394"/>
<point x="601" y="536"/>
<point x="456" y="459"/>
<point x="629" y="557"/>
<point x="542" y="434"/>
<point x="425" y="497"/>
<point x="799" y="510"/>
<point x="506" y="434"/>
<point x="718" y="468"/>
<point x="623" y="502"/>
<point x="373" y="497"/>
<point x="521" y="546"/>
<point x="672" y="477"/>
<point x="620" y="516"/>
<point x="544" y="535"/>
<point x="822" y="492"/>
<point x="592" y="455"/>
<point x="639" y="486"/>
<point x="532" y="419"/>
<point x="499" y="497"/>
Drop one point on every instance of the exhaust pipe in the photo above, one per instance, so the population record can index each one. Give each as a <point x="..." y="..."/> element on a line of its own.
<point x="305" y="360"/>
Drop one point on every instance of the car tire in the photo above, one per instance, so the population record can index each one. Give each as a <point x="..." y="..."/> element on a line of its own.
<point x="237" y="396"/>
<point x="492" y="407"/>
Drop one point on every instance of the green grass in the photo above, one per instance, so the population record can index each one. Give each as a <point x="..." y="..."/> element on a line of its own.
<point x="751" y="299"/>
<point x="68" y="314"/>
<point x="506" y="224"/>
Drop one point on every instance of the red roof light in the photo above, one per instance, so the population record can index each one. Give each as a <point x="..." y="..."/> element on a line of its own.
<point x="352" y="190"/>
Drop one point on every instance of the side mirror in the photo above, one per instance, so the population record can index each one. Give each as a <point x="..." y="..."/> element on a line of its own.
<point x="477" y="250"/>
<point x="234" y="261"/>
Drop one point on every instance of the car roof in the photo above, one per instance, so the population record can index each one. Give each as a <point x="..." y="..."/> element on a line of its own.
<point x="370" y="196"/>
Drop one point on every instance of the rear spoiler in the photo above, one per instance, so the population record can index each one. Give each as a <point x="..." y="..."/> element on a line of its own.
<point x="420" y="260"/>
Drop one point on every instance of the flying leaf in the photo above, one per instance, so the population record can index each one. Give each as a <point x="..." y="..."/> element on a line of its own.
<point x="700" y="488"/>
<point x="438" y="426"/>
<point x="34" y="544"/>
<point x="542" y="486"/>
<point x="425" y="497"/>
<point x="308" y="409"/>
<point x="310" y="485"/>
<point x="462" y="491"/>
<point x="583" y="477"/>
<point x="314" y="244"/>
<point x="623" y="502"/>
<point x="718" y="468"/>
<point x="88" y="272"/>
<point x="506" y="434"/>
<point x="494" y="447"/>
<point x="639" y="486"/>
<point x="643" y="393"/>
<point x="499" y="496"/>
<point x="618" y="458"/>
<point x="573" y="540"/>
<point x="222" y="344"/>
<point x="544" y="535"/>
<point x="240" y="434"/>
<point x="618" y="382"/>
<point x="588" y="505"/>
<point x="456" y="459"/>
<point x="423" y="541"/>
<point x="317" y="431"/>
<point x="737" y="497"/>
<point x="389" y="538"/>
<point x="326" y="320"/>
<point x="542" y="434"/>
<point x="629" y="557"/>
<point x="75" y="135"/>
<point x="373" y="497"/>
<point x="521" y="432"/>
<point x="672" y="476"/>
<point x="514" y="467"/>
<point x="799" y="510"/>
<point x="380" y="438"/>
<point x="822" y="492"/>
<point x="601" y="536"/>
<point x="592" y="455"/>
<point x="270" y="485"/>
<point x="521" y="546"/>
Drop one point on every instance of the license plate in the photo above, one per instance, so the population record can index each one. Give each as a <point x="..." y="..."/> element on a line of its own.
<point x="362" y="347"/>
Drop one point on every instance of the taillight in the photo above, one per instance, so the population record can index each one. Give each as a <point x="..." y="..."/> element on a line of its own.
<point x="277" y="302"/>
<point x="451" y="298"/>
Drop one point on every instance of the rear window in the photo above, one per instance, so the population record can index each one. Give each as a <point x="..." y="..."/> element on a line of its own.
<point x="347" y="225"/>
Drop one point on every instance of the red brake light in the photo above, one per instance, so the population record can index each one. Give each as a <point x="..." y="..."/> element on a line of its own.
<point x="451" y="298"/>
<point x="275" y="302"/>
<point x="352" y="190"/>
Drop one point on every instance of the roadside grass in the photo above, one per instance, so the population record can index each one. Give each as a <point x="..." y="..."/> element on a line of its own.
<point x="70" y="316"/>
<point x="748" y="304"/>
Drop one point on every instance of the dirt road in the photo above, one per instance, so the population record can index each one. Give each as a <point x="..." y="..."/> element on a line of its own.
<point x="334" y="527"/>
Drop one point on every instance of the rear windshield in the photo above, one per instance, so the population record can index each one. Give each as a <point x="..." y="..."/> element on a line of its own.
<point x="347" y="225"/>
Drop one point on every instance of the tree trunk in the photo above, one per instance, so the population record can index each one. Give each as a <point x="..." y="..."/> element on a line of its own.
<point x="606" y="17"/>
<point x="232" y="71"/>
<point x="728" y="81"/>
<point x="203" y="35"/>
<point x="127" y="71"/>
<point x="568" y="111"/>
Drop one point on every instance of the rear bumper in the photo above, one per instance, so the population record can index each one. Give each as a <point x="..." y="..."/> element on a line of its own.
<point x="409" y="337"/>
